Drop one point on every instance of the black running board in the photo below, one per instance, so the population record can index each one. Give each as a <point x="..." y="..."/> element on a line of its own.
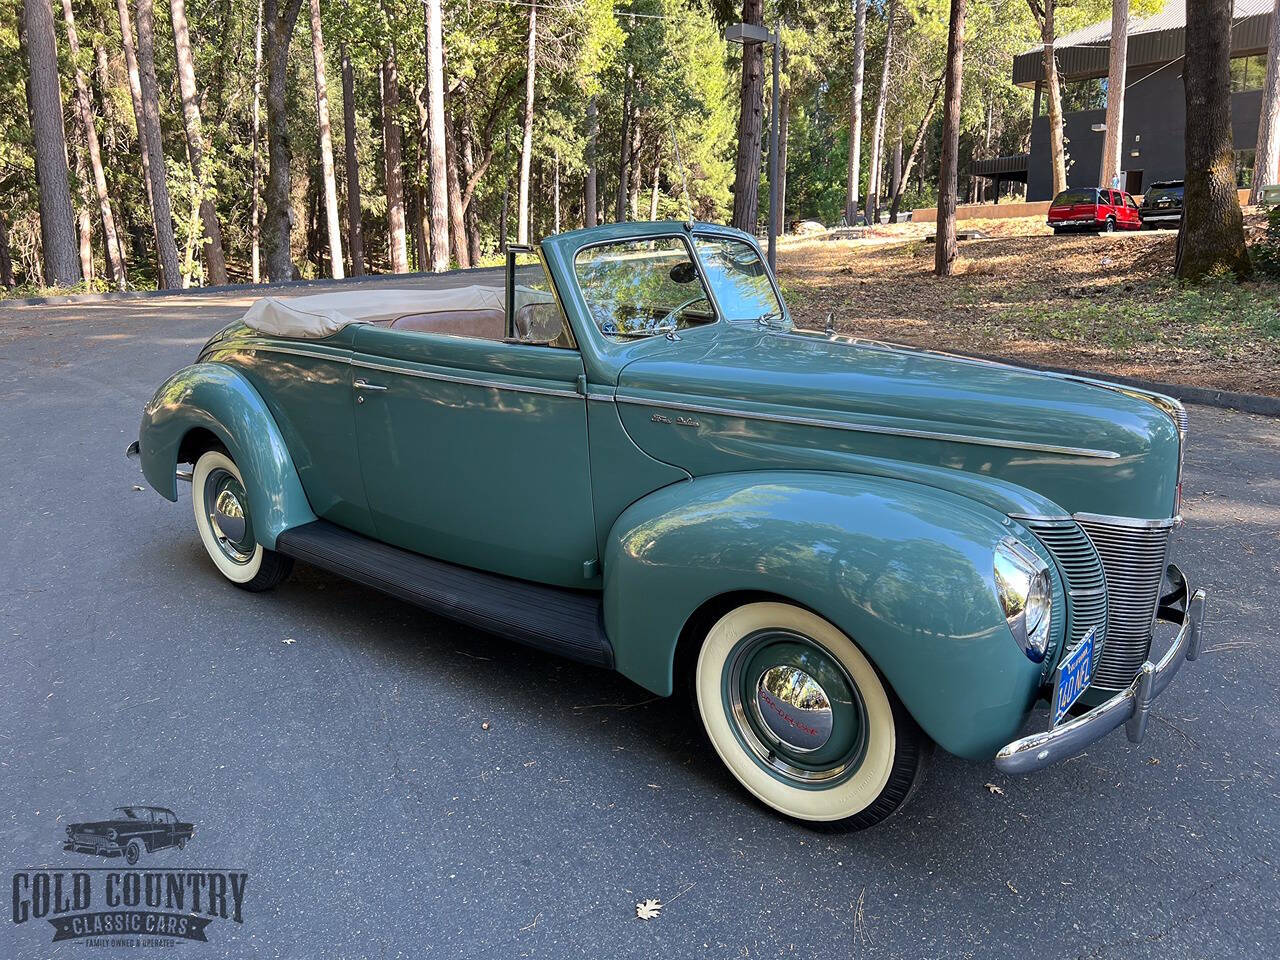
<point x="555" y="619"/>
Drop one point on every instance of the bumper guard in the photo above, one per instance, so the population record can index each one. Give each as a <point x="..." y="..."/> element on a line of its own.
<point x="1130" y="706"/>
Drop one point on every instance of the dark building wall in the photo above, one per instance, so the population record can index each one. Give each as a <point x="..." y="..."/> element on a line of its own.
<point x="1154" y="126"/>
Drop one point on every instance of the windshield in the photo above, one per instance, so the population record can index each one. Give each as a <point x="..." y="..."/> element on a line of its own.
<point x="642" y="288"/>
<point x="738" y="278"/>
<point x="131" y="813"/>
<point x="1068" y="197"/>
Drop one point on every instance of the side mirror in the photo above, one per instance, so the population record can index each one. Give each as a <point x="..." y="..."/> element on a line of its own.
<point x="684" y="272"/>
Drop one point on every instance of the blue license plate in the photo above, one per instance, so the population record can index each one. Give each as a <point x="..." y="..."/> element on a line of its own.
<point x="1072" y="676"/>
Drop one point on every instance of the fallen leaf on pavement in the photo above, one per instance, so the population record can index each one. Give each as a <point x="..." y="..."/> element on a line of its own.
<point x="999" y="792"/>
<point x="648" y="909"/>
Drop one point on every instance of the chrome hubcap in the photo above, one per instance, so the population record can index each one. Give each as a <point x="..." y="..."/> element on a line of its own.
<point x="794" y="708"/>
<point x="225" y="503"/>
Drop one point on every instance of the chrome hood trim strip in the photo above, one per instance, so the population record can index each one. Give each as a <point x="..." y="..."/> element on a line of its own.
<point x="872" y="428"/>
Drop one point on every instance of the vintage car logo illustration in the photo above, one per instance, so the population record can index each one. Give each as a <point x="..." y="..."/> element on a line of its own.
<point x="129" y="832"/>
<point x="127" y="903"/>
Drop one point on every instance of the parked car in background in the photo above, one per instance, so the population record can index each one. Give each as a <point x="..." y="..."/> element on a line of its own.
<point x="845" y="551"/>
<point x="1162" y="205"/>
<point x="1094" y="208"/>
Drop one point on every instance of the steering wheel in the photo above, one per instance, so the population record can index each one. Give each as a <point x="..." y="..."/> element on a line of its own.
<point x="670" y="316"/>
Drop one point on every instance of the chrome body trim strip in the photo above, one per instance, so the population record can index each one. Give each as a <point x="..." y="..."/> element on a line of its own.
<point x="1130" y="707"/>
<point x="251" y="345"/>
<point x="872" y="428"/>
<point x="1036" y="518"/>
<point x="466" y="381"/>
<point x="422" y="374"/>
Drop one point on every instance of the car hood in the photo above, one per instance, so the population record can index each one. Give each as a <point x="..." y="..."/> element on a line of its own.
<point x="808" y="399"/>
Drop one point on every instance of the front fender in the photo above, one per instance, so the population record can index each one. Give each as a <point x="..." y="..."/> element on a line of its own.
<point x="904" y="569"/>
<point x="215" y="397"/>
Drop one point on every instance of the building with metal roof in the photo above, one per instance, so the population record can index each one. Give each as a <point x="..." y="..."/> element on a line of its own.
<point x="1155" y="100"/>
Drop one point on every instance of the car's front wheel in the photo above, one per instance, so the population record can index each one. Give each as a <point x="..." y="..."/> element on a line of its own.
<point x="802" y="718"/>
<point x="133" y="852"/>
<point x="226" y="528"/>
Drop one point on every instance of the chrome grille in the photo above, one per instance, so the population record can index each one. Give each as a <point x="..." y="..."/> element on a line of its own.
<point x="1082" y="574"/>
<point x="1133" y="554"/>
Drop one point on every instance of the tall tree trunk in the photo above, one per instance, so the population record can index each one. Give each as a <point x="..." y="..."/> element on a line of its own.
<point x="84" y="221"/>
<point x="854" y="171"/>
<point x="945" y="252"/>
<point x="255" y="206"/>
<point x="633" y="186"/>
<point x="746" y="174"/>
<point x="657" y="170"/>
<point x="149" y="132"/>
<point x="915" y="150"/>
<point x="213" y="255"/>
<point x="392" y="160"/>
<point x="417" y="220"/>
<point x="1043" y="11"/>
<point x="1266" y="158"/>
<point x="457" y="233"/>
<point x="437" y="174"/>
<point x="1113" y="142"/>
<point x="1212" y="234"/>
<point x="278" y="225"/>
<point x="6" y="259"/>
<point x="877" y="128"/>
<point x="624" y="150"/>
<point x="589" y="218"/>
<point x="355" y="223"/>
<point x="135" y="94"/>
<point x="332" y="221"/>
<point x="783" y="125"/>
<point x="470" y="216"/>
<point x="57" y="230"/>
<point x="555" y="195"/>
<point x="84" y="107"/>
<point x="895" y="171"/>
<point x="526" y="147"/>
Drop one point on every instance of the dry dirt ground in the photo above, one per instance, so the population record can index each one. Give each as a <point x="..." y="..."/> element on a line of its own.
<point x="1092" y="302"/>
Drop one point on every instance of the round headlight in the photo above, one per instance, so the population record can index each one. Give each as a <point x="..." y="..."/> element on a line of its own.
<point x="1025" y="594"/>
<point x="111" y="834"/>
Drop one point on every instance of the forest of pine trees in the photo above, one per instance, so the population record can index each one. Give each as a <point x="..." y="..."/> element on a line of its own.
<point x="201" y="142"/>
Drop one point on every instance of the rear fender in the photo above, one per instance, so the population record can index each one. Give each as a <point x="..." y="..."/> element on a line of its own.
<point x="217" y="398"/>
<point x="904" y="569"/>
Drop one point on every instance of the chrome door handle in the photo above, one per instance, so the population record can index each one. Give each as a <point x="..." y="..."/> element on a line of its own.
<point x="363" y="384"/>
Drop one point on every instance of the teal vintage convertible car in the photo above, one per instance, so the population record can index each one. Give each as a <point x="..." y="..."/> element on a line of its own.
<point x="621" y="450"/>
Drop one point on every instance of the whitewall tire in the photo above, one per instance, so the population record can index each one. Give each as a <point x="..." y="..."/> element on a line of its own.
<point x="225" y="525"/>
<point x="802" y="718"/>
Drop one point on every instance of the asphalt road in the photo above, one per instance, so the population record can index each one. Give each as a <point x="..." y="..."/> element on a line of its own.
<point x="396" y="785"/>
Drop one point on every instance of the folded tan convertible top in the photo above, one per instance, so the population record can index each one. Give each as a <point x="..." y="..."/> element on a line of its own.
<point x="320" y="315"/>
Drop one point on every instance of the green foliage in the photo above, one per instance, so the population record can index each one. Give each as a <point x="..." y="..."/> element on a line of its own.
<point x="1265" y="253"/>
<point x="670" y="55"/>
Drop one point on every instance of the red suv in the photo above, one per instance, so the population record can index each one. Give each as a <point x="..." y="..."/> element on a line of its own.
<point x="1094" y="208"/>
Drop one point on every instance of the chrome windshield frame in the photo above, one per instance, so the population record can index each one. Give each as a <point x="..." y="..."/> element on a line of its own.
<point x="710" y="232"/>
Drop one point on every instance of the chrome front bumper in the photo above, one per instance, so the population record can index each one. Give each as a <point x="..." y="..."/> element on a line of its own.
<point x="1130" y="706"/>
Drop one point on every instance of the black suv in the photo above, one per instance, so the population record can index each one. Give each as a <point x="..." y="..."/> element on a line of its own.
<point x="1162" y="205"/>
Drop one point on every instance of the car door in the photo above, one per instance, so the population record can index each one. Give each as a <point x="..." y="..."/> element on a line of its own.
<point x="474" y="451"/>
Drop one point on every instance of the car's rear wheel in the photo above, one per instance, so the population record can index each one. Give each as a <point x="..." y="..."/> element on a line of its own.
<point x="802" y="718"/>
<point x="221" y="506"/>
<point x="1109" y="226"/>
